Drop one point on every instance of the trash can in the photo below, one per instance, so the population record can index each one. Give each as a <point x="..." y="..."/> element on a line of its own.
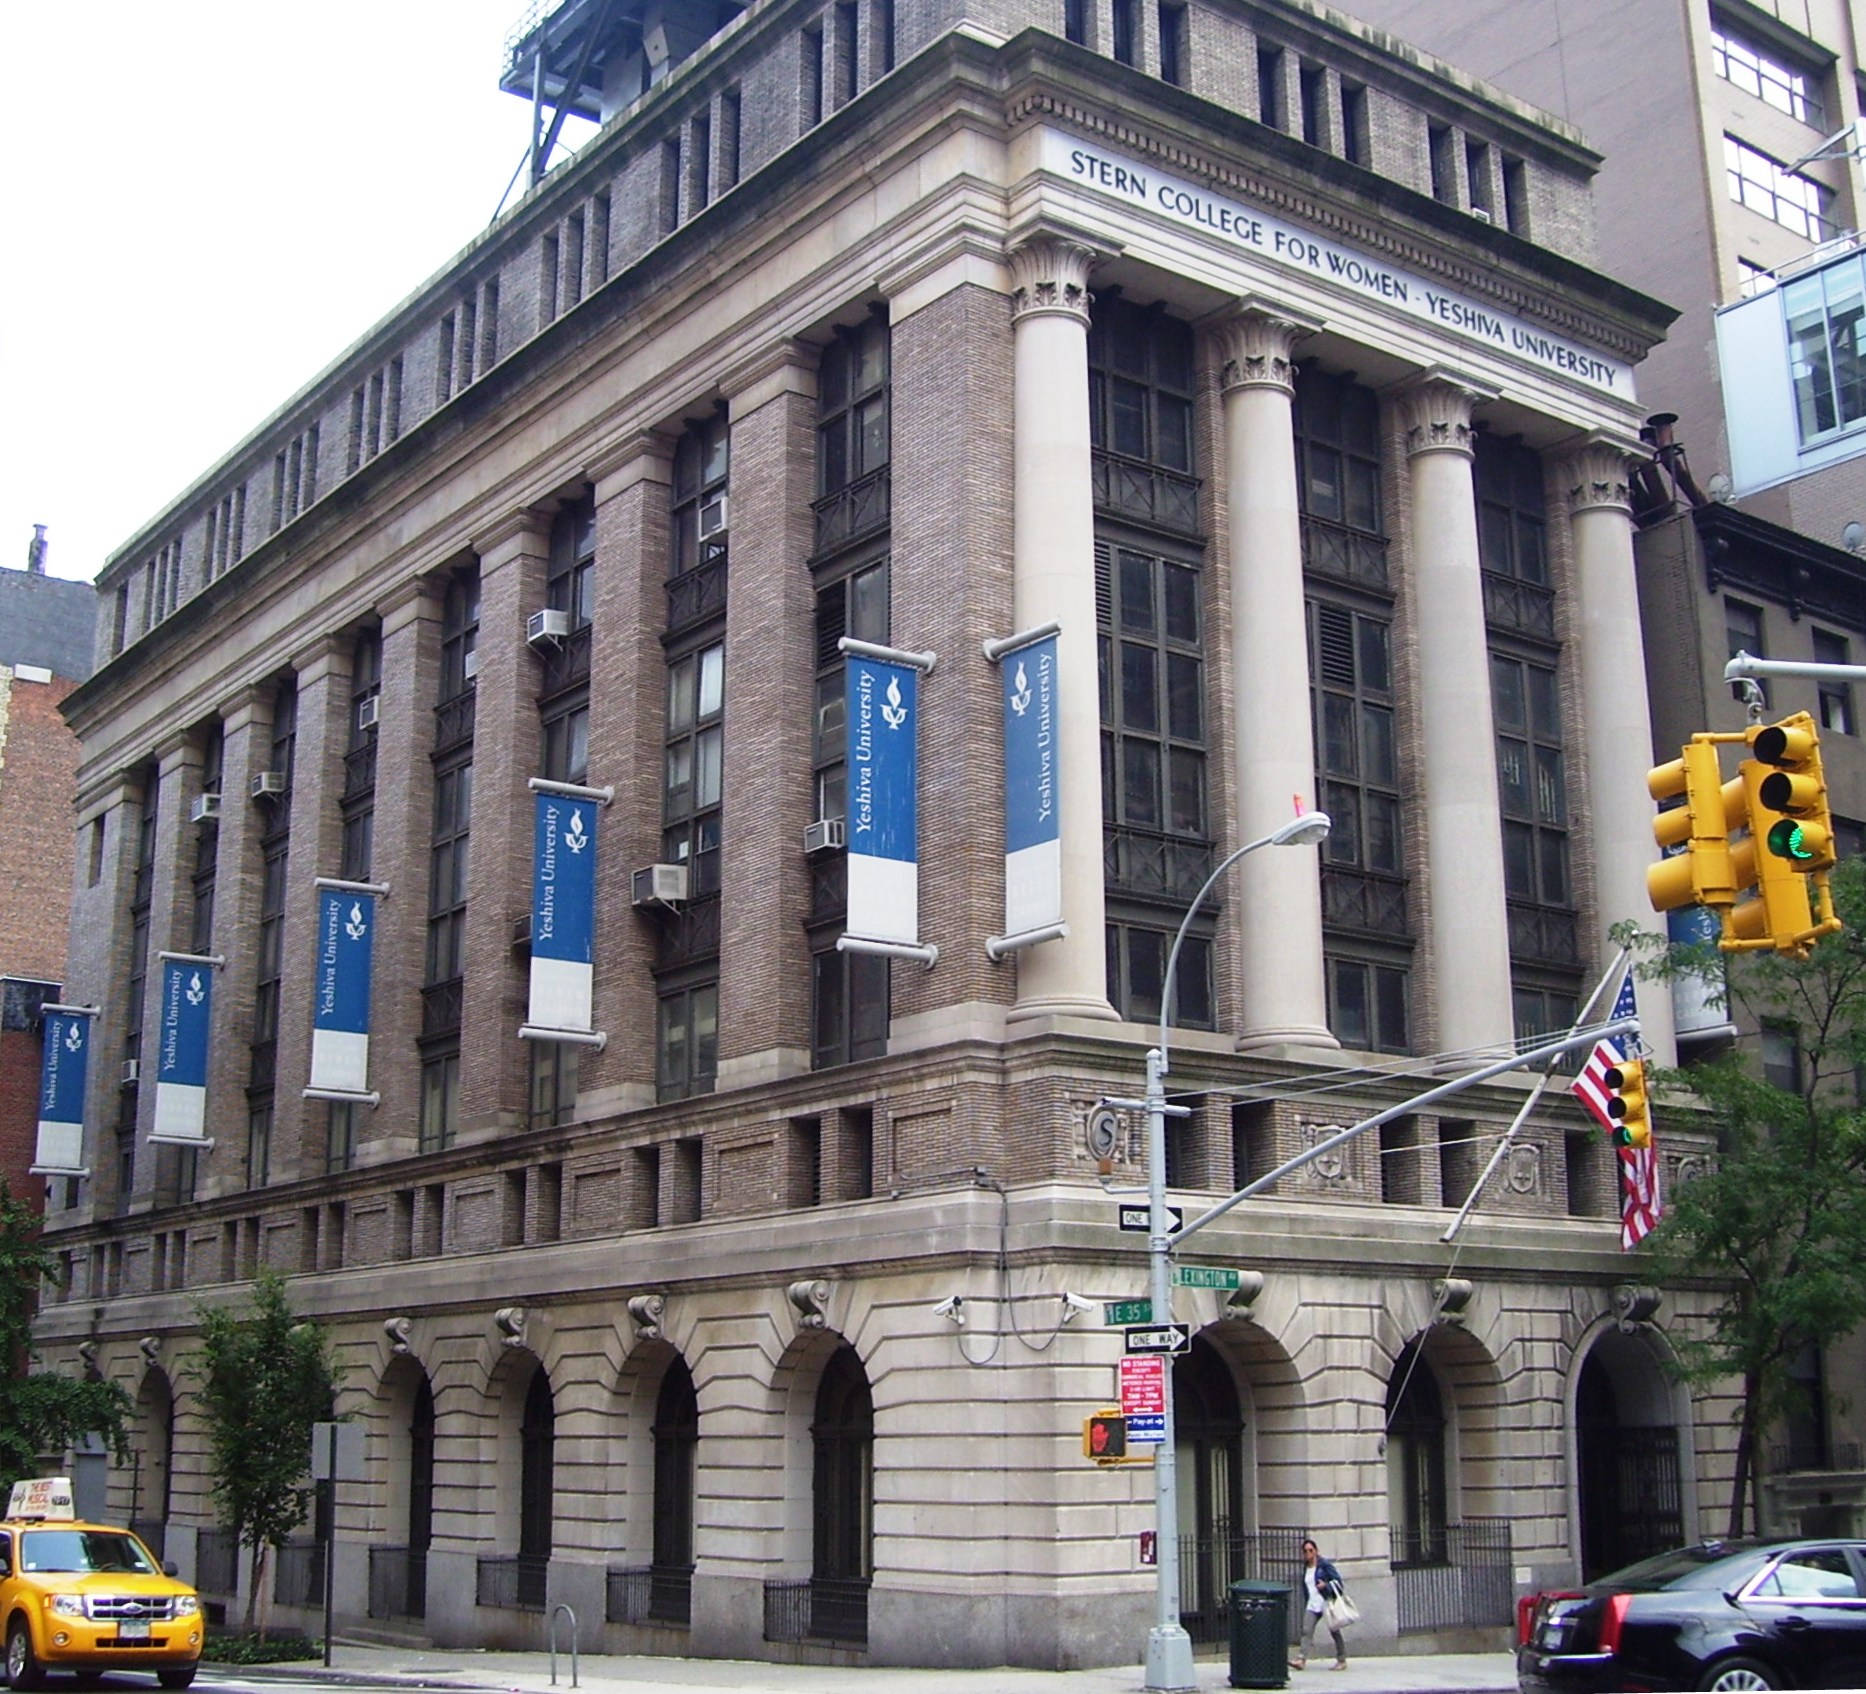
<point x="1259" y="1634"/>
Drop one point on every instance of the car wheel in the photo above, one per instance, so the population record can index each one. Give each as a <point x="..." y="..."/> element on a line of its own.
<point x="22" y="1664"/>
<point x="1728" y="1675"/>
<point x="182" y="1677"/>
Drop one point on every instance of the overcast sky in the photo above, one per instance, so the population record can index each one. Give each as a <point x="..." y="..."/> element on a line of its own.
<point x="209" y="200"/>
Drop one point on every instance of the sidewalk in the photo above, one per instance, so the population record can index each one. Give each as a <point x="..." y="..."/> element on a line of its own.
<point x="530" y="1673"/>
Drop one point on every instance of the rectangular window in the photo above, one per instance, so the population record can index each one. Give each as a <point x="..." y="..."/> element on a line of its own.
<point x="1477" y="178"/>
<point x="1312" y="85"/>
<point x="1153" y="699"/>
<point x="882" y="18"/>
<point x="1781" y="1057"/>
<point x="700" y="179"/>
<point x="1076" y="21"/>
<point x="572" y="280"/>
<point x="729" y="108"/>
<point x="1270" y="85"/>
<point x="1136" y="975"/>
<point x="1440" y="147"/>
<point x="670" y="185"/>
<point x="440" y="1101"/>
<point x="340" y="1137"/>
<point x="1742" y="625"/>
<point x="1354" y="134"/>
<point x="693" y="773"/>
<point x="1835" y="693"/>
<point x="599" y="239"/>
<point x="687" y="1041"/>
<point x="1126" y="31"/>
<point x="489" y="325"/>
<point x="856" y="606"/>
<point x="1767" y="74"/>
<point x="547" y="279"/>
<point x="469" y="339"/>
<point x="846" y="62"/>
<point x="1367" y="1005"/>
<point x="1173" y="55"/>
<point x="553" y="1082"/>
<point x="1826" y="314"/>
<point x="1515" y="195"/>
<point x="1796" y="202"/>
<point x="1531" y="780"/>
<point x="852" y="407"/>
<point x="811" y="77"/>
<point x="849" y="1007"/>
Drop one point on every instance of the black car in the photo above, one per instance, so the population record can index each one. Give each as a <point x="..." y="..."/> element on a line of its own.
<point x="1723" y="1615"/>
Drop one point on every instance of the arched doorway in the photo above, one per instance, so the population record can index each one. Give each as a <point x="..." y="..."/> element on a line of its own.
<point x="676" y="1440"/>
<point x="1629" y="1499"/>
<point x="536" y="1479"/>
<point x="843" y="1487"/>
<point x="1415" y="1461"/>
<point x="1208" y="1424"/>
<point x="420" y="1497"/>
<point x="151" y="1461"/>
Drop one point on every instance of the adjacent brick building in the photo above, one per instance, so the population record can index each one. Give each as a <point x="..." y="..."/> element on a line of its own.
<point x="917" y="323"/>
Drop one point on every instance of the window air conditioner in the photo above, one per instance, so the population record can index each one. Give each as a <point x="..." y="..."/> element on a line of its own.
<point x="131" y="1071"/>
<point x="368" y="712"/>
<point x="823" y="836"/>
<point x="551" y="624"/>
<point x="206" y="808"/>
<point x="268" y="784"/>
<point x="1482" y="213"/>
<point x="713" y="517"/>
<point x="660" y="885"/>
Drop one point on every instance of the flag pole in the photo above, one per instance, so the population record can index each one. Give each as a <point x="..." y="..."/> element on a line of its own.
<point x="1535" y="1094"/>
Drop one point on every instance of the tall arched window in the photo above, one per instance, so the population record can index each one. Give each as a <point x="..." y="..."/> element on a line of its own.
<point x="676" y="1436"/>
<point x="536" y="1442"/>
<point x="1415" y="1461"/>
<point x="150" y="1457"/>
<point x="842" y="1542"/>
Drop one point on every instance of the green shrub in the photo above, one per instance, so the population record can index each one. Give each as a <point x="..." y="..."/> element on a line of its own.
<point x="240" y="1647"/>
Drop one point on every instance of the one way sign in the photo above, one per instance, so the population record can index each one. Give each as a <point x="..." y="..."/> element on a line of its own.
<point x="1139" y="1220"/>
<point x="1159" y="1338"/>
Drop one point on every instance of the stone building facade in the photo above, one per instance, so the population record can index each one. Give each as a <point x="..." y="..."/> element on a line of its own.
<point x="917" y="323"/>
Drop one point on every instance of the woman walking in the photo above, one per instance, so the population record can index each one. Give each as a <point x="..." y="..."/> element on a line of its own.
<point x="1322" y="1583"/>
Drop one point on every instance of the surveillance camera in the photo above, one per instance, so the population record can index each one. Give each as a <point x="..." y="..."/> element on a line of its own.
<point x="1076" y="1303"/>
<point x="953" y="1306"/>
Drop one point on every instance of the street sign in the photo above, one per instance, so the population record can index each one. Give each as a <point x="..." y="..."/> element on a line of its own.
<point x="1139" y="1220"/>
<point x="1205" y="1276"/>
<point x="1161" y="1338"/>
<point x="1119" y="1312"/>
<point x="1143" y="1384"/>
<point x="1146" y="1429"/>
<point x="337" y="1452"/>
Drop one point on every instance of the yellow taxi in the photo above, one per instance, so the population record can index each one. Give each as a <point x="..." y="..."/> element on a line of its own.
<point x="87" y="1598"/>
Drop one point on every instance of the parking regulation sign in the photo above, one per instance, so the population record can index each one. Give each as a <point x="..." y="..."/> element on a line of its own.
<point x="1146" y="1427"/>
<point x="1143" y="1384"/>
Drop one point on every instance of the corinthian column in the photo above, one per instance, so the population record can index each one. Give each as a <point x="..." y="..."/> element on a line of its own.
<point x="1464" y="825"/>
<point x="1616" y="725"/>
<point x="1276" y="897"/>
<point x="1053" y="560"/>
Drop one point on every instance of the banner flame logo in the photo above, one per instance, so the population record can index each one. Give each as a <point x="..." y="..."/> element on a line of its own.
<point x="1020" y="690"/>
<point x="893" y="713"/>
<point x="74" y="1037"/>
<point x="575" y="837"/>
<point x="196" y="992"/>
<point x="356" y="928"/>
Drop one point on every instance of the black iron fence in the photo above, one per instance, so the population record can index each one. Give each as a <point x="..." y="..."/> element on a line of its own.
<point x="513" y="1580"/>
<point x="650" y="1594"/>
<point x="217" y="1561"/>
<point x="817" y="1610"/>
<point x="1208" y="1565"/>
<point x="398" y="1582"/>
<point x="1459" y="1579"/>
<point x="298" y="1573"/>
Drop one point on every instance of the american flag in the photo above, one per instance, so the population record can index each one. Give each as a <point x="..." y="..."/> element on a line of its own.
<point x="1640" y="1202"/>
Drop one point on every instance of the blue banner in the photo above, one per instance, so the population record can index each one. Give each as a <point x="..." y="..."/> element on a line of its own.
<point x="63" y="1071"/>
<point x="1033" y="846"/>
<point x="563" y="913"/>
<point x="882" y="833"/>
<point x="346" y="945"/>
<point x="181" y="1052"/>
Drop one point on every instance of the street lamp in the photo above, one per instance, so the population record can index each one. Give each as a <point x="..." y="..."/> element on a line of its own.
<point x="1169" y="1647"/>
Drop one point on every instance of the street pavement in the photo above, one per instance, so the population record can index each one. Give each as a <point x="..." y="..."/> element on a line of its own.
<point x="530" y="1673"/>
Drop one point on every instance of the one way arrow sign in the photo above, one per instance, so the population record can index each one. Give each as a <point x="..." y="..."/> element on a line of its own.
<point x="1139" y="1220"/>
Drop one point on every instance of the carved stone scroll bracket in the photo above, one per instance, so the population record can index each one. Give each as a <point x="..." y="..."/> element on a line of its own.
<point x="396" y="1329"/>
<point x="509" y="1323"/>
<point x="809" y="1298"/>
<point x="1634" y="1307"/>
<point x="1451" y="1300"/>
<point x="646" y="1312"/>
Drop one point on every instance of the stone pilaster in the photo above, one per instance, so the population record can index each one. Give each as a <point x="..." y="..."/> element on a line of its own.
<point x="628" y="689"/>
<point x="764" y="954"/>
<point x="323" y="671"/>
<point x="1616" y="723"/>
<point x="1053" y="560"/>
<point x="1275" y="899"/>
<point x="403" y="828"/>
<point x="1469" y="928"/>
<point x="493" y="1060"/>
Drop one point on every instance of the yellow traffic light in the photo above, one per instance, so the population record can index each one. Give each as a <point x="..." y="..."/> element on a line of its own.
<point x="1800" y="829"/>
<point x="1629" y="1108"/>
<point x="1701" y="874"/>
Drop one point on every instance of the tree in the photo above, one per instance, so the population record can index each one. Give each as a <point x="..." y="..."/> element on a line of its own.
<point x="41" y="1412"/>
<point x="265" y="1379"/>
<point x="1778" y="1221"/>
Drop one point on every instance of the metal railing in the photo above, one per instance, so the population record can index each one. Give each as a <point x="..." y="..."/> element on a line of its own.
<point x="398" y="1582"/>
<point x="1459" y="1580"/>
<point x="1209" y="1564"/>
<point x="217" y="1561"/>
<point x="818" y="1609"/>
<point x="1814" y="1456"/>
<point x="650" y="1594"/>
<point x="514" y="1580"/>
<point x="298" y="1573"/>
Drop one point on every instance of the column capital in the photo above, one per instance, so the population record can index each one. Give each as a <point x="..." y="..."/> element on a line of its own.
<point x="1257" y="347"/>
<point x="176" y="753"/>
<point x="526" y="531"/>
<point x="407" y="602"/>
<point x="785" y="367"/>
<point x="1436" y="411"/>
<point x="1596" y="472"/>
<point x="320" y="658"/>
<point x="252" y="705"/>
<point x="1050" y="277"/>
<point x="645" y="456"/>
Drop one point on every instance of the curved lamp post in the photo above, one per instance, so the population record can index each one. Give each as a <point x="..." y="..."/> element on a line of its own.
<point x="1169" y="1647"/>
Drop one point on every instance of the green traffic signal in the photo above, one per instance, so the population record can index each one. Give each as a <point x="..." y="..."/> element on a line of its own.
<point x="1787" y="839"/>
